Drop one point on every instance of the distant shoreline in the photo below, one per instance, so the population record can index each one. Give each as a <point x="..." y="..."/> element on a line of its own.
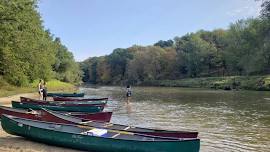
<point x="254" y="83"/>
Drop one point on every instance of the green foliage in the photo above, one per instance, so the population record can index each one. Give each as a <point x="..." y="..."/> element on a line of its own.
<point x="27" y="51"/>
<point x="265" y="12"/>
<point x="66" y="68"/>
<point x="118" y="61"/>
<point x="164" y="44"/>
<point x="54" y="85"/>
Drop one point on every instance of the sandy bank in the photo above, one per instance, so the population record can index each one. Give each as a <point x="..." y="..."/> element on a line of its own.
<point x="6" y="101"/>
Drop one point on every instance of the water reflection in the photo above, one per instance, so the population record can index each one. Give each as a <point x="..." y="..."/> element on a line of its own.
<point x="227" y="121"/>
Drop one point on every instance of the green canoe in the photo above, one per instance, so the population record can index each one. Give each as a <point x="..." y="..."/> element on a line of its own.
<point x="93" y="139"/>
<point x="90" y="109"/>
<point x="65" y="94"/>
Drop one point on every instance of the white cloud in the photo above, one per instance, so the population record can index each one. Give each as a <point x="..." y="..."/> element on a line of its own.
<point x="248" y="9"/>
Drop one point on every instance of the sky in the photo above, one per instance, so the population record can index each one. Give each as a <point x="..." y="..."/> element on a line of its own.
<point x="91" y="28"/>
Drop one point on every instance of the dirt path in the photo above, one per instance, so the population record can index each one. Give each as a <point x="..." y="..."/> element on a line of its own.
<point x="10" y="143"/>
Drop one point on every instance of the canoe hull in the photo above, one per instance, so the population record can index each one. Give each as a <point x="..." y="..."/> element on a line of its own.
<point x="75" y="99"/>
<point x="91" y="109"/>
<point x="65" y="94"/>
<point x="95" y="144"/>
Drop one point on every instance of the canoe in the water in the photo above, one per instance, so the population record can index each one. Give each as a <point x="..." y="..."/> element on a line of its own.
<point x="94" y="139"/>
<point x="62" y="107"/>
<point x="146" y="131"/>
<point x="65" y="94"/>
<point x="77" y="99"/>
<point x="43" y="102"/>
<point x="46" y="116"/>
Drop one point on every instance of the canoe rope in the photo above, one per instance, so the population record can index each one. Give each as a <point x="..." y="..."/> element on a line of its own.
<point x="115" y="131"/>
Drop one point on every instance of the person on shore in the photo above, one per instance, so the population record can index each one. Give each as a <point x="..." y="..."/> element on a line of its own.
<point x="44" y="91"/>
<point x="40" y="89"/>
<point x="128" y="93"/>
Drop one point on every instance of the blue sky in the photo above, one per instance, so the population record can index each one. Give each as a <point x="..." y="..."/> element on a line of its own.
<point x="95" y="27"/>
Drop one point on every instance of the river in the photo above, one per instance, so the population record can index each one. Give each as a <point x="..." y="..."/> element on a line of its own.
<point x="225" y="120"/>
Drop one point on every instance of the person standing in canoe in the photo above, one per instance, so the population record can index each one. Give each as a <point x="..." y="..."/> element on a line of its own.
<point x="40" y="89"/>
<point x="128" y="93"/>
<point x="44" y="91"/>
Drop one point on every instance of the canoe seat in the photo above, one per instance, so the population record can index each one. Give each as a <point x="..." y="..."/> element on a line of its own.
<point x="85" y="122"/>
<point x="32" y="112"/>
<point x="108" y="125"/>
<point x="95" y="132"/>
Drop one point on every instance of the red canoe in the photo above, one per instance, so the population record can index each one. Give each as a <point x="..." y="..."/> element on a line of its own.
<point x="45" y="116"/>
<point x="99" y="116"/>
<point x="78" y="99"/>
<point x="63" y="103"/>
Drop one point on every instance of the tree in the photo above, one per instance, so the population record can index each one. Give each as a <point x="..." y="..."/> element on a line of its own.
<point x="27" y="50"/>
<point x="118" y="62"/>
<point x="164" y="44"/>
<point x="265" y="12"/>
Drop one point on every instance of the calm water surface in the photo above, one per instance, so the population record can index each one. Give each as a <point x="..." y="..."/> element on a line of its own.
<point x="226" y="120"/>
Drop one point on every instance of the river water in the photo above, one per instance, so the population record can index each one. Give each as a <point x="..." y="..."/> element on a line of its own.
<point x="226" y="120"/>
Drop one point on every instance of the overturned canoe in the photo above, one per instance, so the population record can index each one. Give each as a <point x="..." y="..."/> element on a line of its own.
<point x="69" y="108"/>
<point x="65" y="94"/>
<point x="94" y="139"/>
<point x="111" y="126"/>
<point x="78" y="99"/>
<point x="35" y="101"/>
<point x="46" y="116"/>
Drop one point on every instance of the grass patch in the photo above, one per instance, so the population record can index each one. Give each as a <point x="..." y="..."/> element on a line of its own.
<point x="55" y="85"/>
<point x="52" y="85"/>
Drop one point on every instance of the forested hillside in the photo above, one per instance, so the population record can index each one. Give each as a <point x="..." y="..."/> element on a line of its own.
<point x="242" y="49"/>
<point x="28" y="51"/>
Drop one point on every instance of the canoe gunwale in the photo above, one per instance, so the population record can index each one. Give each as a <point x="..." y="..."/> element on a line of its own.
<point x="59" y="103"/>
<point x="56" y="98"/>
<point x="90" y="109"/>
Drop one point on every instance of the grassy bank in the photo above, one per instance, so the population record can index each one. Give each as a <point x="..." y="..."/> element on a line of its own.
<point x="260" y="83"/>
<point x="53" y="85"/>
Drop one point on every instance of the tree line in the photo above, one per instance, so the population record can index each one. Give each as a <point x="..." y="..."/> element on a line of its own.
<point x="242" y="49"/>
<point x="28" y="51"/>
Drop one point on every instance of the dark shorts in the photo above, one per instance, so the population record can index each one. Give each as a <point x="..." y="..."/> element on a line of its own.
<point x="129" y="94"/>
